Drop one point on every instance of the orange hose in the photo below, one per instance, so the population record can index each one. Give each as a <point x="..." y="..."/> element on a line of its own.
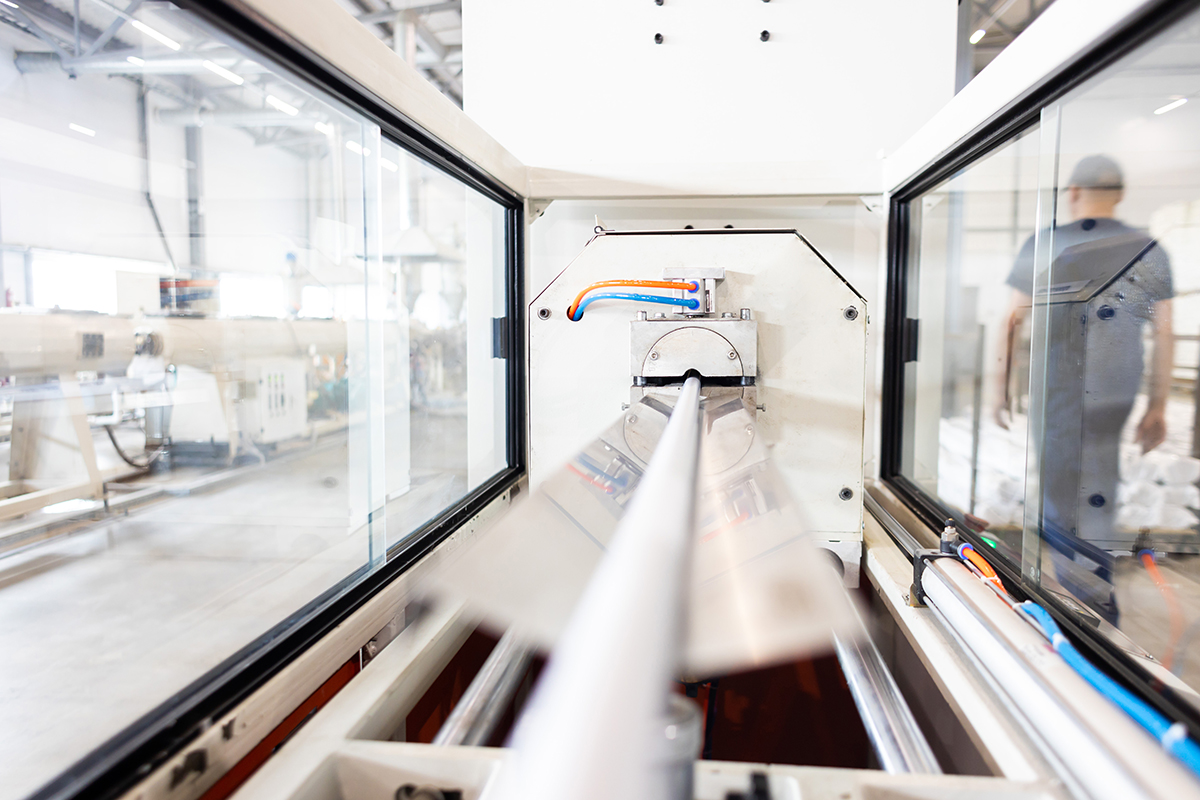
<point x="985" y="569"/>
<point x="1173" y="608"/>
<point x="691" y="286"/>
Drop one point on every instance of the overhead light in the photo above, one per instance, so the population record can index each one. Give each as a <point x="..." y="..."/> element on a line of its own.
<point x="276" y="103"/>
<point x="137" y="62"/>
<point x="9" y="4"/>
<point x="325" y="128"/>
<point x="357" y="149"/>
<point x="1174" y="104"/>
<point x="390" y="166"/>
<point x="81" y="129"/>
<point x="977" y="35"/>
<point x="153" y="34"/>
<point x="217" y="69"/>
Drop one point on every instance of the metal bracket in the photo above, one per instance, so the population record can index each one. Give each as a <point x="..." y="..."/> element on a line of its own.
<point x="921" y="559"/>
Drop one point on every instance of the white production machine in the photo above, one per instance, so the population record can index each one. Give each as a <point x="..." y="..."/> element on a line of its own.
<point x="676" y="543"/>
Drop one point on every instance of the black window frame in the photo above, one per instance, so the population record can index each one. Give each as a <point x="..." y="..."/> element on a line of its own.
<point x="1001" y="128"/>
<point x="135" y="752"/>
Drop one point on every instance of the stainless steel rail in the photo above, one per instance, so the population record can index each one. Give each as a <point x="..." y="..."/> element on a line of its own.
<point x="894" y="733"/>
<point x="905" y="540"/>
<point x="474" y="718"/>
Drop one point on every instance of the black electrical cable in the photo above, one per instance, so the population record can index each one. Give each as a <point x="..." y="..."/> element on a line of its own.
<point x="149" y="461"/>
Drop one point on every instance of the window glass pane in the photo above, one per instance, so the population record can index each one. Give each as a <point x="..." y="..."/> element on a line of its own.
<point x="1116" y="290"/>
<point x="444" y="251"/>
<point x="236" y="325"/>
<point x="966" y="392"/>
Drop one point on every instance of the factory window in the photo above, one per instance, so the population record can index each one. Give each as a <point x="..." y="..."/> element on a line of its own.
<point x="966" y="380"/>
<point x="248" y="349"/>
<point x="1049" y="357"/>
<point x="1115" y="358"/>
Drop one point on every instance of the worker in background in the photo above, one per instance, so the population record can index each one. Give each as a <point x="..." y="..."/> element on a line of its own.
<point x="1107" y="281"/>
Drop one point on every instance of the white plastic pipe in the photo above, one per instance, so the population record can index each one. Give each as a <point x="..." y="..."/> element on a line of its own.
<point x="590" y="730"/>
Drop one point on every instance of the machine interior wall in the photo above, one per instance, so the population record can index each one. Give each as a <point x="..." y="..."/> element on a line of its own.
<point x="582" y="88"/>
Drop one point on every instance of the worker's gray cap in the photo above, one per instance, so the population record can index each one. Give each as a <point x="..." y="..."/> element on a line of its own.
<point x="1097" y="172"/>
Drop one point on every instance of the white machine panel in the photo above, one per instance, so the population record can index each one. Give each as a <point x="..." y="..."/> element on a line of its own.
<point x="811" y="356"/>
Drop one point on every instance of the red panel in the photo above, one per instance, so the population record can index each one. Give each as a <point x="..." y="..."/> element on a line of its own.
<point x="241" y="771"/>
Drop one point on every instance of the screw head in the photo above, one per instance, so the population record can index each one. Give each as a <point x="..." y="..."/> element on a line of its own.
<point x="732" y="355"/>
<point x="543" y="313"/>
<point x="1105" y="312"/>
<point x="726" y="315"/>
<point x="846" y="493"/>
<point x="632" y="418"/>
<point x="1096" y="501"/>
<point x="660" y="315"/>
<point x="658" y="38"/>
<point x="764" y="36"/>
<point x="850" y="313"/>
<point x="654" y="356"/>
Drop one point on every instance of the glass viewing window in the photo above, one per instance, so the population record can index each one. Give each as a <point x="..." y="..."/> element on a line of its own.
<point x="246" y="349"/>
<point x="1052" y="406"/>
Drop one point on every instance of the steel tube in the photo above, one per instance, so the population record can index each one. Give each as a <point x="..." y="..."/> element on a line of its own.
<point x="1103" y="753"/>
<point x="475" y="716"/>
<point x="897" y="739"/>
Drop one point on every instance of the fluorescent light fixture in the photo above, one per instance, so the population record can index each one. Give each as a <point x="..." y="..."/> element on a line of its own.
<point x="279" y="105"/>
<point x="153" y="34"/>
<point x="390" y="166"/>
<point x="9" y="4"/>
<point x="81" y="129"/>
<point x="357" y="149"/>
<point x="217" y="69"/>
<point x="325" y="128"/>
<point x="977" y="35"/>
<point x="1171" y="106"/>
<point x="137" y="62"/>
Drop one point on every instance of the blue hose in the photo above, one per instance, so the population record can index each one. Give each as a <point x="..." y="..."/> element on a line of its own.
<point x="690" y="303"/>
<point x="1172" y="736"/>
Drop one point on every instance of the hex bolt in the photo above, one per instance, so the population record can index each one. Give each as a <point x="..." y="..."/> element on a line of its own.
<point x="846" y="493"/>
<point x="543" y="313"/>
<point x="764" y="36"/>
<point x="732" y="355"/>
<point x="658" y="38"/>
<point x="641" y="315"/>
<point x="746" y="311"/>
<point x="660" y="315"/>
<point x="850" y="313"/>
<point x="654" y="356"/>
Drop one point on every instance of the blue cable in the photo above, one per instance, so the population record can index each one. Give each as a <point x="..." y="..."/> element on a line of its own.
<point x="1173" y="736"/>
<point x="641" y="298"/>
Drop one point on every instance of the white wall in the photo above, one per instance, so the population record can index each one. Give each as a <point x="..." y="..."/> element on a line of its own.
<point x="582" y="88"/>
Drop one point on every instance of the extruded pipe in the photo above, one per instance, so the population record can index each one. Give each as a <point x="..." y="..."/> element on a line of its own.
<point x="473" y="720"/>
<point x="589" y="731"/>
<point x="894" y="734"/>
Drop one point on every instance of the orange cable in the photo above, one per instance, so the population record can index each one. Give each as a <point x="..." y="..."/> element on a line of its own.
<point x="691" y="286"/>
<point x="978" y="561"/>
<point x="1173" y="608"/>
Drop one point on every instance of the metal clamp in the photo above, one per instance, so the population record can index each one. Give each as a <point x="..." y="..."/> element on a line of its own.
<point x="920" y="559"/>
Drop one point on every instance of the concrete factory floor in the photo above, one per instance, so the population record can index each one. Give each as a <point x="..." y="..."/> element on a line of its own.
<point x="99" y="627"/>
